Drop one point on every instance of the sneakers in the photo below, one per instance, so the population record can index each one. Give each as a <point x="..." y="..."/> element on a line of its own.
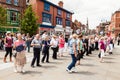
<point x="68" y="70"/>
<point x="73" y="69"/>
<point x="15" y="70"/>
<point x="23" y="71"/>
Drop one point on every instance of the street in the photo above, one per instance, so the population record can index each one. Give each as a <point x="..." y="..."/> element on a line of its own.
<point x="90" y="68"/>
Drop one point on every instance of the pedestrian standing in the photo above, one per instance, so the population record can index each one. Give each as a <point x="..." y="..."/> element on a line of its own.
<point x="20" y="57"/>
<point x="54" y="46"/>
<point x="46" y="45"/>
<point x="96" y="43"/>
<point x="28" y="42"/>
<point x="80" y="49"/>
<point x="102" y="49"/>
<point x="8" y="46"/>
<point x="118" y="40"/>
<point x="73" y="53"/>
<point x="37" y="45"/>
<point x="86" y="42"/>
<point x="61" y="45"/>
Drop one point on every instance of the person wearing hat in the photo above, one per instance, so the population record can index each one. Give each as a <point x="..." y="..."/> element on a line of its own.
<point x="8" y="46"/>
<point x="54" y="46"/>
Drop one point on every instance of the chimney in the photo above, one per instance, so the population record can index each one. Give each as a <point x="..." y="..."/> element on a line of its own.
<point x="60" y="4"/>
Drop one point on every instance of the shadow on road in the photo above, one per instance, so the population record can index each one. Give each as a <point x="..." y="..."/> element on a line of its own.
<point x="87" y="65"/>
<point x="84" y="73"/>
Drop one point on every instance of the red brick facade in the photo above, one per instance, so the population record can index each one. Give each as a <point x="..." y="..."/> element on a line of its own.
<point x="114" y="27"/>
<point x="38" y="7"/>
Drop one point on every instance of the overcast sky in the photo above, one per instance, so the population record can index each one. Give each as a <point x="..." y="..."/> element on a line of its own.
<point x="95" y="10"/>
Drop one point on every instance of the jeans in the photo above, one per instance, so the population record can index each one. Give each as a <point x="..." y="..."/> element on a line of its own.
<point x="73" y="62"/>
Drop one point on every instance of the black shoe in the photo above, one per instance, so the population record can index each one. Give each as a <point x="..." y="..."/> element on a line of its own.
<point x="47" y="62"/>
<point x="42" y="61"/>
<point x="32" y="66"/>
<point x="39" y="65"/>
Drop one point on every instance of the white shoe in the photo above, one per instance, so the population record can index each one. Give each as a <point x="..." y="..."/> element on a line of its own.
<point x="74" y="69"/>
<point x="23" y="71"/>
<point x="15" y="70"/>
<point x="68" y="70"/>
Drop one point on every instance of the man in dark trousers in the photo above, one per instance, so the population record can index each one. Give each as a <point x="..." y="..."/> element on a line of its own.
<point x="86" y="45"/>
<point x="37" y="45"/>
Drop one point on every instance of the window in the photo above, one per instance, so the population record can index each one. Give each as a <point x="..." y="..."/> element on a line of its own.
<point x="67" y="22"/>
<point x="12" y="17"/>
<point x="46" y="7"/>
<point x="59" y="12"/>
<point x="16" y="2"/>
<point x="46" y="17"/>
<point x="8" y="1"/>
<point x="68" y="15"/>
<point x="59" y="21"/>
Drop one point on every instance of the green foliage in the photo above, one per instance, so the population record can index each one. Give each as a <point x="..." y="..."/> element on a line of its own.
<point x="3" y="16"/>
<point x="29" y="21"/>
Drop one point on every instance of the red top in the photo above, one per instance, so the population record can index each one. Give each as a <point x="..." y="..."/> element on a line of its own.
<point x="61" y="42"/>
<point x="9" y="42"/>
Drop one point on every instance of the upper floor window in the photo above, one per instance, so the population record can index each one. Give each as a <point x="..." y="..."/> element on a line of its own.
<point x="46" y="17"/>
<point x="59" y="12"/>
<point x="8" y="1"/>
<point x="58" y="20"/>
<point x="68" y="15"/>
<point x="68" y="22"/>
<point x="12" y="17"/>
<point x="16" y="2"/>
<point x="46" y="6"/>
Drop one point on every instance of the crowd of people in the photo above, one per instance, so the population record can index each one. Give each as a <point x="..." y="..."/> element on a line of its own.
<point x="77" y="45"/>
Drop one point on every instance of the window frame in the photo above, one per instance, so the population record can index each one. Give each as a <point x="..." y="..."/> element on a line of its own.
<point x="49" y="16"/>
<point x="66" y="22"/>
<point x="59" y="19"/>
<point x="16" y="2"/>
<point x="9" y="20"/>
<point x="8" y="1"/>
<point x="46" y="7"/>
<point x="68" y="15"/>
<point x="59" y="12"/>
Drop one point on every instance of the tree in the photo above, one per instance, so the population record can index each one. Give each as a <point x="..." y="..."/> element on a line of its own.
<point x="29" y="22"/>
<point x="3" y="16"/>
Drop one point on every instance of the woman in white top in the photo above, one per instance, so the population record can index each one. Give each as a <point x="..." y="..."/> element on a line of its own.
<point x="54" y="46"/>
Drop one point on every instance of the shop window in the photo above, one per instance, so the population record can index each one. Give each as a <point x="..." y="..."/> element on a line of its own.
<point x="59" y="21"/>
<point x="8" y="1"/>
<point x="46" y="7"/>
<point x="46" y="17"/>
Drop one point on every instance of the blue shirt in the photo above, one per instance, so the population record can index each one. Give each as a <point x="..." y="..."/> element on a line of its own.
<point x="72" y="41"/>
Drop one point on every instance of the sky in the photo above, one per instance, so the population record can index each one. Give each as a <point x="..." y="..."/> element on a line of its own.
<point x="96" y="11"/>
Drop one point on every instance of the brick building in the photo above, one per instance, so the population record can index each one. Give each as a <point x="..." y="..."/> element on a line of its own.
<point x="52" y="17"/>
<point x="15" y="9"/>
<point x="114" y="27"/>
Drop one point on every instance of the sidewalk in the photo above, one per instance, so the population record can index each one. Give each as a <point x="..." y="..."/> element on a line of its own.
<point x="90" y="69"/>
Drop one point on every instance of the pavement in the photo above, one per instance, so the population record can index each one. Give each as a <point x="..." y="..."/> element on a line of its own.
<point x="90" y="68"/>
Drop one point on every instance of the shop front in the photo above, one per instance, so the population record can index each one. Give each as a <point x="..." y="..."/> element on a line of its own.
<point x="59" y="29"/>
<point x="48" y="28"/>
<point x="68" y="30"/>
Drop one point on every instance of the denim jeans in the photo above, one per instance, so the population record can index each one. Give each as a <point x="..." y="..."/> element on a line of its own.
<point x="73" y="62"/>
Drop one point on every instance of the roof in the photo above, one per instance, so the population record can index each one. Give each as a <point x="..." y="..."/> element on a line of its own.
<point x="57" y="6"/>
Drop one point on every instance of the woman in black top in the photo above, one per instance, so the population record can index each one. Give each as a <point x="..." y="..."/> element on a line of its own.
<point x="46" y="45"/>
